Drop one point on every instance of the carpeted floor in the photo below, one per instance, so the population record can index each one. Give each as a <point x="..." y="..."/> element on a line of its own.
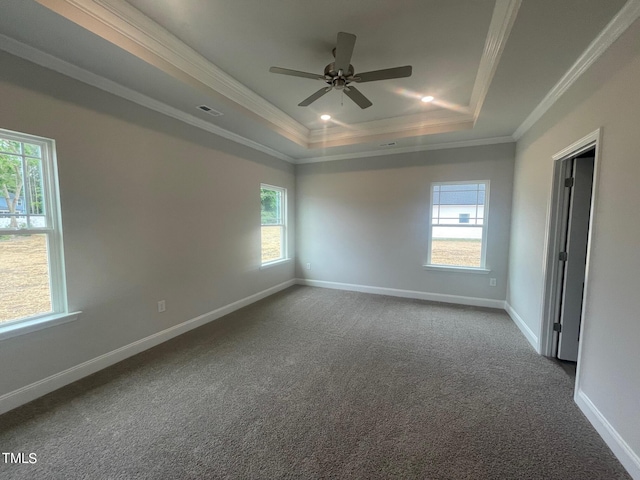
<point x="316" y="383"/>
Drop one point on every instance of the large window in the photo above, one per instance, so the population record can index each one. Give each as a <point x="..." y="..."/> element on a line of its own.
<point x="458" y="229"/>
<point x="31" y="263"/>
<point x="273" y="216"/>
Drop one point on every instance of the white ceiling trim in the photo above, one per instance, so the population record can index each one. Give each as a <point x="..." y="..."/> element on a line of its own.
<point x="46" y="60"/>
<point x="504" y="16"/>
<point x="128" y="28"/>
<point x="396" y="127"/>
<point x="125" y="26"/>
<point x="413" y="149"/>
<point x="49" y="61"/>
<point x="391" y="128"/>
<point x="618" y="24"/>
<point x="625" y="17"/>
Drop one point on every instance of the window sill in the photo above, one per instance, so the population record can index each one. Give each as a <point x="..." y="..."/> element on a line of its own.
<point x="274" y="263"/>
<point x="448" y="268"/>
<point x="14" y="329"/>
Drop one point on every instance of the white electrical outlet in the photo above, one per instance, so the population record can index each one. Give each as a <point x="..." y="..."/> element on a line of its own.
<point x="493" y="282"/>
<point x="161" y="306"/>
<point x="308" y="266"/>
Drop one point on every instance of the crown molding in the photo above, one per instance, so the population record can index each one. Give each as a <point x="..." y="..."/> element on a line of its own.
<point x="53" y="63"/>
<point x="618" y="24"/>
<point x="398" y="127"/>
<point x="46" y="60"/>
<point x="504" y="16"/>
<point x="505" y="10"/>
<point x="123" y="25"/>
<point x="412" y="149"/>
<point x="440" y="127"/>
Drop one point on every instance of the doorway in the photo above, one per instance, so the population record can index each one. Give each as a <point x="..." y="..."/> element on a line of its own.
<point x="574" y="234"/>
<point x="570" y="221"/>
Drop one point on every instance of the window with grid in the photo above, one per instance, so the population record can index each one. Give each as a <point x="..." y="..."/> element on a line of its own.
<point x="273" y="223"/>
<point x="458" y="230"/>
<point x="31" y="263"/>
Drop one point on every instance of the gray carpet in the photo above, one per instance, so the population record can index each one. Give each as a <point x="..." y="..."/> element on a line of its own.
<point x="315" y="383"/>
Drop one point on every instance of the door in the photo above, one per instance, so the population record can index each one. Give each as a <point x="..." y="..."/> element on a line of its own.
<point x="579" y="185"/>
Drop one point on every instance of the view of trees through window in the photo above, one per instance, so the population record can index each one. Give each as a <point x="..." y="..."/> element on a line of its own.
<point x="20" y="183"/>
<point x="24" y="266"/>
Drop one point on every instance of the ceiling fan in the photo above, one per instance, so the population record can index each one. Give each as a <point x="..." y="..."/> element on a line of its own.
<point x="340" y="74"/>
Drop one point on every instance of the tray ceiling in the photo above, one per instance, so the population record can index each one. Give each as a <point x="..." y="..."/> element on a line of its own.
<point x="187" y="53"/>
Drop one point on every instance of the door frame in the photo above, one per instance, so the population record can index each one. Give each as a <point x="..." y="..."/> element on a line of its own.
<point x="551" y="267"/>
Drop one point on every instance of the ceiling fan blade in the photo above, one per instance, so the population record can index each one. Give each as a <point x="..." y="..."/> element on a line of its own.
<point x="308" y="101"/>
<point x="354" y="94"/>
<point x="386" y="74"/>
<point x="344" y="50"/>
<point x="296" y="73"/>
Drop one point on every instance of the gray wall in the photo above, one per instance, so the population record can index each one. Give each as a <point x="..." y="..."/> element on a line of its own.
<point x="152" y="209"/>
<point x="606" y="96"/>
<point x="365" y="221"/>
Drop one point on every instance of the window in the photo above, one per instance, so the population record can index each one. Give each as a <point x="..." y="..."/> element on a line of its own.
<point x="273" y="214"/>
<point x="458" y="230"/>
<point x="32" y="279"/>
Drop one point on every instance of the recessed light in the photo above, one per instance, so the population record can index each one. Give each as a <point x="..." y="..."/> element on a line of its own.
<point x="427" y="99"/>
<point x="325" y="117"/>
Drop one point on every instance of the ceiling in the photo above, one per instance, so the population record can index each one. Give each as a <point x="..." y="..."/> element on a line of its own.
<point x="492" y="65"/>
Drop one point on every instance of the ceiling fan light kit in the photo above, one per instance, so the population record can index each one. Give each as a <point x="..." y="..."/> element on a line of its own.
<point x="340" y="74"/>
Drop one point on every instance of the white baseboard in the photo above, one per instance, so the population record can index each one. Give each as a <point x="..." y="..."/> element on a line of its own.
<point x="30" y="392"/>
<point x="628" y="458"/>
<point x="435" y="297"/>
<point x="524" y="328"/>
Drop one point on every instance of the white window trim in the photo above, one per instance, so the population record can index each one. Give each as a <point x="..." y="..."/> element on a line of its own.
<point x="55" y="248"/>
<point x="453" y="268"/>
<point x="284" y="246"/>
<point x="485" y="226"/>
<point x="274" y="263"/>
<point x="32" y="324"/>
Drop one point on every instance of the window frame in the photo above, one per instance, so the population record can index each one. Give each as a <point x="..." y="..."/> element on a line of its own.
<point x="485" y="226"/>
<point x="55" y="249"/>
<point x="283" y="215"/>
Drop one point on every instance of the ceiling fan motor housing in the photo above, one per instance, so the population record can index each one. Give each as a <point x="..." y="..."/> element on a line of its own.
<point x="337" y="81"/>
